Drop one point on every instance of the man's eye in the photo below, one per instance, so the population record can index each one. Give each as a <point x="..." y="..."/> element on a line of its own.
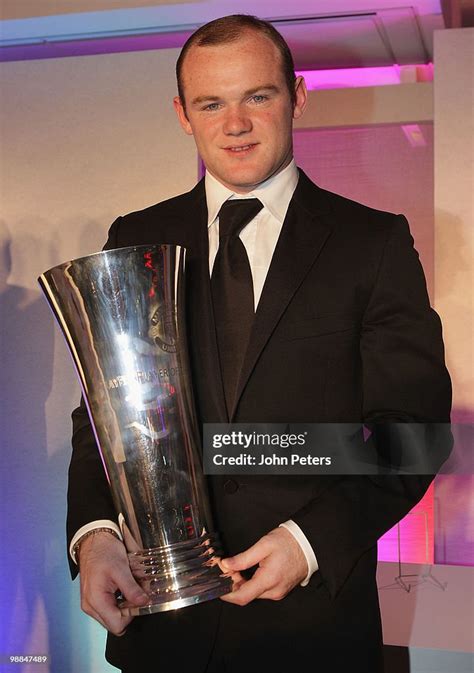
<point x="212" y="106"/>
<point x="259" y="98"/>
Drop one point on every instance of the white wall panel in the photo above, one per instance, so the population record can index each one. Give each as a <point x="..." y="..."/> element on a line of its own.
<point x="83" y="140"/>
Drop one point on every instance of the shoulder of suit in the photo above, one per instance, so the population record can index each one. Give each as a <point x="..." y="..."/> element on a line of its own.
<point x="170" y="221"/>
<point x="172" y="207"/>
<point x="346" y="212"/>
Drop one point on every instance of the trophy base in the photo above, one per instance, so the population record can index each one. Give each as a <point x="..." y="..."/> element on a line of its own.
<point x="177" y="575"/>
<point x="162" y="604"/>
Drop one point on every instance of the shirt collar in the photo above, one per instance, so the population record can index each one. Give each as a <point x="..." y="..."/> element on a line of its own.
<point x="275" y="193"/>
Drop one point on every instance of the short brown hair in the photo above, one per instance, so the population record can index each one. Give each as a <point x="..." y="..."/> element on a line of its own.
<point x="229" y="29"/>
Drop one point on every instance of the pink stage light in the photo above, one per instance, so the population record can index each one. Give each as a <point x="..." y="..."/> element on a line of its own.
<point x="412" y="540"/>
<point x="357" y="77"/>
<point x="414" y="135"/>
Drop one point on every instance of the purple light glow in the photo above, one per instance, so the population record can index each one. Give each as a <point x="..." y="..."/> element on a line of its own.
<point x="414" y="135"/>
<point x="315" y="79"/>
<point x="357" y="77"/>
<point x="111" y="45"/>
<point x="416" y="532"/>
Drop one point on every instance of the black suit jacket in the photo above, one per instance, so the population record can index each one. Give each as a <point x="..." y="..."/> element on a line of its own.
<point x="343" y="333"/>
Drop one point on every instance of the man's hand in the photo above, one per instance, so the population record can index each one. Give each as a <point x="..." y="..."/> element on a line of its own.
<point x="281" y="566"/>
<point x="104" y="569"/>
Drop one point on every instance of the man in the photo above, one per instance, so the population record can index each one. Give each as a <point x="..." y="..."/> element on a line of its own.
<point x="341" y="331"/>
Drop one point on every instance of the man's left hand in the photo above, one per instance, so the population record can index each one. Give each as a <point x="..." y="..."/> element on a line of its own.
<point x="281" y="566"/>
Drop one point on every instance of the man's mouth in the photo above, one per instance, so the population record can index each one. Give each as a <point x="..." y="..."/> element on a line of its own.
<point x="239" y="149"/>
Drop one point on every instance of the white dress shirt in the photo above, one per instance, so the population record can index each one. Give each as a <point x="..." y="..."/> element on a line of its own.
<point x="259" y="237"/>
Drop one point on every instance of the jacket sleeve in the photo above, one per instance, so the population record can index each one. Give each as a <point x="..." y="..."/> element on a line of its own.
<point x="88" y="495"/>
<point x="404" y="380"/>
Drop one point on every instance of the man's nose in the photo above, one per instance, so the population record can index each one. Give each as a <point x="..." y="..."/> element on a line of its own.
<point x="236" y="122"/>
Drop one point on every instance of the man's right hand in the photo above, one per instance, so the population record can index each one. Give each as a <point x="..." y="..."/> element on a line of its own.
<point x="104" y="569"/>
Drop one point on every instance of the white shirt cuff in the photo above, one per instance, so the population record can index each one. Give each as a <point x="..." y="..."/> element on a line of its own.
<point x="306" y="548"/>
<point x="100" y="523"/>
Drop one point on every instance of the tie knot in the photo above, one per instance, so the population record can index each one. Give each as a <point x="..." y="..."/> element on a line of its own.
<point x="235" y="214"/>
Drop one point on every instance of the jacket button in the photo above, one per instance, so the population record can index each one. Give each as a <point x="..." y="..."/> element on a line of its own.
<point x="231" y="486"/>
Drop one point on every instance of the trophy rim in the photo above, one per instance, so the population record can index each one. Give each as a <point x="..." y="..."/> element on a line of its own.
<point x="108" y="252"/>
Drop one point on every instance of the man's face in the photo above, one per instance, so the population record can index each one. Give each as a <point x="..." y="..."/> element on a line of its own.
<point x="238" y="109"/>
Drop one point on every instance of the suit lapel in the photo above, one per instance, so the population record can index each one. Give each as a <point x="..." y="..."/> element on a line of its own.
<point x="302" y="238"/>
<point x="207" y="380"/>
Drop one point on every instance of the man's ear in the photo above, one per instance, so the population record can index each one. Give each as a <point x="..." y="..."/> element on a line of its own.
<point x="181" y="112"/>
<point x="301" y="97"/>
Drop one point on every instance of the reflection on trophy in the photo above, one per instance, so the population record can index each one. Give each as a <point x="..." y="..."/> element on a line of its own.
<point x="122" y="314"/>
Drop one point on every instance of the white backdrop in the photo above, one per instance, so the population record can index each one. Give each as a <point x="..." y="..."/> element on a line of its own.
<point x="83" y="140"/>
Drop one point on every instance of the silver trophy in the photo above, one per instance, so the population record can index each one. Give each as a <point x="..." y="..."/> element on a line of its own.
<point x="122" y="314"/>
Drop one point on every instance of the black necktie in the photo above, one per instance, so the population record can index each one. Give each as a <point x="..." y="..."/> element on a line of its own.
<point x="232" y="291"/>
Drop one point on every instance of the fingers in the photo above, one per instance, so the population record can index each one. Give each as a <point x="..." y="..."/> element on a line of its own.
<point x="282" y="565"/>
<point x="104" y="570"/>
<point x="109" y="615"/>
<point x="127" y="585"/>
<point x="251" y="557"/>
<point x="100" y="602"/>
<point x="249" y="590"/>
<point x="236" y="577"/>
